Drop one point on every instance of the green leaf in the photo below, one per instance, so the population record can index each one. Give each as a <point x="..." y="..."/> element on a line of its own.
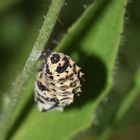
<point x="94" y="39"/>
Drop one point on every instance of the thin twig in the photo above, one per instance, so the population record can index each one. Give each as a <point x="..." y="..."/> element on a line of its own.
<point x="11" y="98"/>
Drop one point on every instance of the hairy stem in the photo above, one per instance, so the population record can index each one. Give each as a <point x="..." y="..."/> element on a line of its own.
<point x="12" y="97"/>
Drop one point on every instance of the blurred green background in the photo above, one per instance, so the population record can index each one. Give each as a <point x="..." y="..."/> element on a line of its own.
<point x="20" y="21"/>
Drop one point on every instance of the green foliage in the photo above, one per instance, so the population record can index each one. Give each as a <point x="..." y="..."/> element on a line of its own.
<point x="93" y="41"/>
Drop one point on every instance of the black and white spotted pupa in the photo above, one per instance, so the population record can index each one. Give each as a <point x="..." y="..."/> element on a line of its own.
<point x="57" y="82"/>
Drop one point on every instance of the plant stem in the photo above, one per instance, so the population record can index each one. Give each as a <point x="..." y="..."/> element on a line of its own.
<point x="12" y="97"/>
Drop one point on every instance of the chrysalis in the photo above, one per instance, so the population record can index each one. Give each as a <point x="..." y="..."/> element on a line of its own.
<point x="57" y="82"/>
